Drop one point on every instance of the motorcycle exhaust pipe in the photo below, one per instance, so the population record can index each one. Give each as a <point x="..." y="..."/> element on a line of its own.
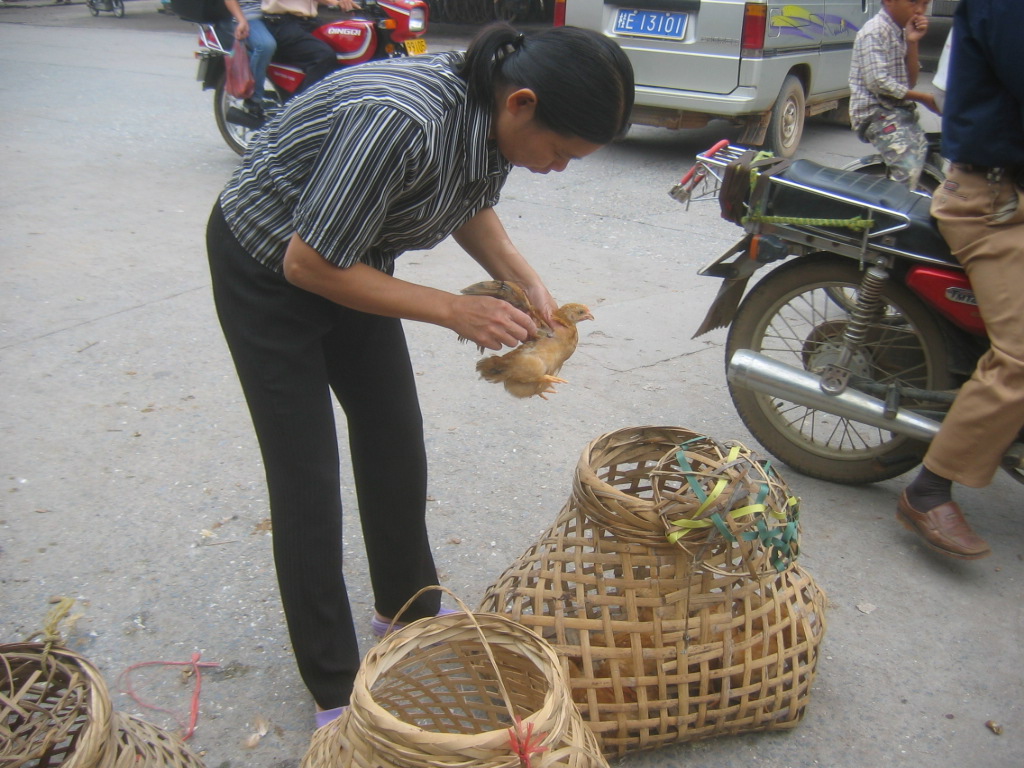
<point x="762" y="374"/>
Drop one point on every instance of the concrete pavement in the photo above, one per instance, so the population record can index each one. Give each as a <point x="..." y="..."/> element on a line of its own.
<point x="133" y="482"/>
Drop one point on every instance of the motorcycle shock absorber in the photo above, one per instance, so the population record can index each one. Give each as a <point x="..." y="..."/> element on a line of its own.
<point x="835" y="377"/>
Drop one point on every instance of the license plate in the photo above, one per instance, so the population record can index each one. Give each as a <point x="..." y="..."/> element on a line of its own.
<point x="661" y="24"/>
<point x="415" y="47"/>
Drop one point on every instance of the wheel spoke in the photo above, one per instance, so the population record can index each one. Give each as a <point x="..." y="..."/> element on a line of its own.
<point x="826" y="429"/>
<point x="799" y="315"/>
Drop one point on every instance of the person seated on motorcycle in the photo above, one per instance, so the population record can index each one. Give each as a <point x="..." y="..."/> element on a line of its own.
<point x="304" y="242"/>
<point x="883" y="73"/>
<point x="292" y="22"/>
<point x="261" y="44"/>
<point x="980" y="213"/>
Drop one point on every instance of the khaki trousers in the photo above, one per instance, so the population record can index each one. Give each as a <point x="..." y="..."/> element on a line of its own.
<point x="982" y="219"/>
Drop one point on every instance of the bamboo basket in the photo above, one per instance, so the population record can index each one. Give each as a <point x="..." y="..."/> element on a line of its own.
<point x="139" y="744"/>
<point x="54" y="709"/>
<point x="458" y="690"/>
<point x="660" y="647"/>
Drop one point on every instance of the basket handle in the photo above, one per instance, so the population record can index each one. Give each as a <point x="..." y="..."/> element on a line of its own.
<point x="479" y="630"/>
<point x="50" y="633"/>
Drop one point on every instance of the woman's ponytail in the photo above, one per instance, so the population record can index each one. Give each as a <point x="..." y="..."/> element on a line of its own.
<point x="482" y="66"/>
<point x="582" y="79"/>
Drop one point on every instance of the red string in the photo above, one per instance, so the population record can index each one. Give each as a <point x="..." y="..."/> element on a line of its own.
<point x="522" y="747"/>
<point x="196" y="665"/>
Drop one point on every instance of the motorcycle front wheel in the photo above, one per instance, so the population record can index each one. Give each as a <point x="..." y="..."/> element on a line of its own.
<point x="118" y="6"/>
<point x="793" y="315"/>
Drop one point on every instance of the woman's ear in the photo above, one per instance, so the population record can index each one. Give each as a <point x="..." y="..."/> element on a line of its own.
<point x="521" y="103"/>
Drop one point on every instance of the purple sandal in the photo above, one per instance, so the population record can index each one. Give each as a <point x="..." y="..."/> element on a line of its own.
<point x="329" y="715"/>
<point x="380" y="627"/>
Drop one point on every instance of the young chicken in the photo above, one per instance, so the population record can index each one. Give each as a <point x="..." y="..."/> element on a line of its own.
<point x="532" y="367"/>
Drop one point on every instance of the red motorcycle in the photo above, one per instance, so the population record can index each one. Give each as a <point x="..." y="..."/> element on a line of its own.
<point x="381" y="29"/>
<point x="843" y="359"/>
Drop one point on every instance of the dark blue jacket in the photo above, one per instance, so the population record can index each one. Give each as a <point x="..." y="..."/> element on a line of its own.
<point x="983" y="115"/>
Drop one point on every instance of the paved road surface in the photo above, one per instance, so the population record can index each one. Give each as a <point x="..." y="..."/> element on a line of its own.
<point x="133" y="484"/>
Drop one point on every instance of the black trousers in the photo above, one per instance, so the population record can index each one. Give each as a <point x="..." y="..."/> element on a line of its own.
<point x="291" y="349"/>
<point x="296" y="45"/>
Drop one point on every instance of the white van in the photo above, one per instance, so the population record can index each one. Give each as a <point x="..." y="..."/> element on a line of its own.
<point x="762" y="64"/>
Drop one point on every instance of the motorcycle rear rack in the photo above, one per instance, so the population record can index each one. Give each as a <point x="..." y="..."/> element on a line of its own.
<point x="794" y="210"/>
<point x="209" y="41"/>
<point x="703" y="180"/>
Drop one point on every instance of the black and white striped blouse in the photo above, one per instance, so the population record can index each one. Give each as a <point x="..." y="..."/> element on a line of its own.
<point x="372" y="161"/>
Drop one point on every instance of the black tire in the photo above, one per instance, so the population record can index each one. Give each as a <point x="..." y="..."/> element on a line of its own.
<point x="235" y="136"/>
<point x="93" y="9"/>
<point x="873" y="165"/>
<point x="787" y="122"/>
<point x="792" y="316"/>
<point x="511" y="10"/>
<point x="118" y="6"/>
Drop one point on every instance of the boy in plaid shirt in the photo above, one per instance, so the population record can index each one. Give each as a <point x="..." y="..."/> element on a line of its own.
<point x="883" y="74"/>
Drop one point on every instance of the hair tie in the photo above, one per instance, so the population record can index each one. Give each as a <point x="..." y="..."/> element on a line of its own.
<point x="509" y="48"/>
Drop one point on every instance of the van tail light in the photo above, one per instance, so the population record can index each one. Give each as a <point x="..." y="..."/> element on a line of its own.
<point x="559" y="20"/>
<point x="755" y="25"/>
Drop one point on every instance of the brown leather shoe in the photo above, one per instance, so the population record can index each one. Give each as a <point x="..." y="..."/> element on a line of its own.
<point x="943" y="529"/>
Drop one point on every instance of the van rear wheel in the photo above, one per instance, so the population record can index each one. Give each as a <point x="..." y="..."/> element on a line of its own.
<point x="787" y="121"/>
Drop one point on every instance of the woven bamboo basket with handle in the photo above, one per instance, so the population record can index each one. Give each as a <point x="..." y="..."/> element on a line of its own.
<point x="660" y="646"/>
<point x="54" y="709"/>
<point x="457" y="690"/>
<point x="139" y="744"/>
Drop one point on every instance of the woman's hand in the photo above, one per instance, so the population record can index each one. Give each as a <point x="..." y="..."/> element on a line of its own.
<point x="490" y="323"/>
<point x="241" y="23"/>
<point x="542" y="300"/>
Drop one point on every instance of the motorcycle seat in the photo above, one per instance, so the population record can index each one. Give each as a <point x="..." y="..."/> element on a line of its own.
<point x="799" y="193"/>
